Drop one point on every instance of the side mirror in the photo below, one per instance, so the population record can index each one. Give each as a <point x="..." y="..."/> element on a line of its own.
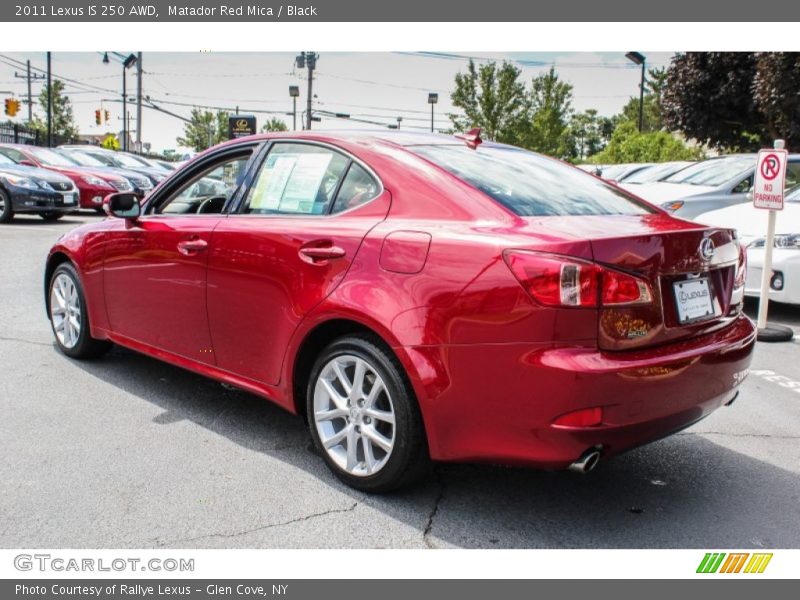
<point x="26" y="162"/>
<point x="122" y="205"/>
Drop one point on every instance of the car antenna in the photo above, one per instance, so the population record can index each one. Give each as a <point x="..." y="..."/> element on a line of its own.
<point x="472" y="137"/>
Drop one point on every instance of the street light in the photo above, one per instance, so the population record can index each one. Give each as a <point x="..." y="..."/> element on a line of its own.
<point x="294" y="92"/>
<point x="127" y="63"/>
<point x="639" y="59"/>
<point x="433" y="98"/>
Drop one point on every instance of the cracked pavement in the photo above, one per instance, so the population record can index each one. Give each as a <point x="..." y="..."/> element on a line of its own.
<point x="127" y="452"/>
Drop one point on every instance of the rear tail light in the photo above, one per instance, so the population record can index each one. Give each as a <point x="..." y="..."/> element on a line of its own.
<point x="554" y="280"/>
<point x="741" y="268"/>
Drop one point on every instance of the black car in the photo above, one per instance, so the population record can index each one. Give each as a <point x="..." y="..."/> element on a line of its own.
<point x="29" y="190"/>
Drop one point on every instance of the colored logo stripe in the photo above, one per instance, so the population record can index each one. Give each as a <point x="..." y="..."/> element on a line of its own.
<point x="733" y="564"/>
<point x="758" y="563"/>
<point x="711" y="562"/>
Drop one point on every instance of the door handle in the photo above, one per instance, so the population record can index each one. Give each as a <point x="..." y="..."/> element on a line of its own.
<point x="318" y="254"/>
<point x="191" y="247"/>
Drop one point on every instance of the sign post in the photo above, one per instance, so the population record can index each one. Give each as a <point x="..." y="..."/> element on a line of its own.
<point x="768" y="188"/>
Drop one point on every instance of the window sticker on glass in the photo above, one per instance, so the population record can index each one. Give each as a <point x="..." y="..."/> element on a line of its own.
<point x="271" y="185"/>
<point x="290" y="183"/>
<point x="303" y="185"/>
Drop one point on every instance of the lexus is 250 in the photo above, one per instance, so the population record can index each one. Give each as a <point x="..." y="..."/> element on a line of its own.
<point x="417" y="298"/>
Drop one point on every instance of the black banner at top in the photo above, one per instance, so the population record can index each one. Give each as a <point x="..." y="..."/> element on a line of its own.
<point x="405" y="11"/>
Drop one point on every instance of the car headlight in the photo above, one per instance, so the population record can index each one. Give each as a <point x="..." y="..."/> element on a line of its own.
<point x="672" y="206"/>
<point x="785" y="241"/>
<point x="20" y="181"/>
<point x="92" y="180"/>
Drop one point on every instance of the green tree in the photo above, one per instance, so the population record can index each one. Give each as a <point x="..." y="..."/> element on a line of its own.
<point x="777" y="92"/>
<point x="709" y="97"/>
<point x="204" y="130"/>
<point x="550" y="108"/>
<point x="63" y="119"/>
<point x="628" y="145"/>
<point x="588" y="133"/>
<point x="493" y="98"/>
<point x="274" y="124"/>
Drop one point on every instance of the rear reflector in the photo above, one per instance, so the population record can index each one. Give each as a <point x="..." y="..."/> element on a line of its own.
<point x="586" y="417"/>
<point x="554" y="280"/>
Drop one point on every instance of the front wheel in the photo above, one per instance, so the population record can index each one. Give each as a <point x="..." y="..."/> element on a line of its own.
<point x="69" y="316"/>
<point x="364" y="418"/>
<point x="6" y="210"/>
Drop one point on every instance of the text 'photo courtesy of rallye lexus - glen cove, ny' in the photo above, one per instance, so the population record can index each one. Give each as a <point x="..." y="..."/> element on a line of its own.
<point x="417" y="298"/>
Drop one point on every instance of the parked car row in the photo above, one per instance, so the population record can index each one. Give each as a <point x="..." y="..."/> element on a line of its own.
<point x="51" y="182"/>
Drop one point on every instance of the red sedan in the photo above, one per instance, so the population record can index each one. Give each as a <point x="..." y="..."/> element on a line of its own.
<point x="93" y="184"/>
<point x="417" y="298"/>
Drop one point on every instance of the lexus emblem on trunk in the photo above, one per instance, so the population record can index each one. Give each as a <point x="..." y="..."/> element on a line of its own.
<point x="706" y="249"/>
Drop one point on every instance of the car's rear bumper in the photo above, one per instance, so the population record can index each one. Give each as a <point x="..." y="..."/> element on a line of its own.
<point x="497" y="403"/>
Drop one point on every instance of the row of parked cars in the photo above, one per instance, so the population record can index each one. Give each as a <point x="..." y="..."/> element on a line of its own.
<point x="52" y="182"/>
<point x="717" y="191"/>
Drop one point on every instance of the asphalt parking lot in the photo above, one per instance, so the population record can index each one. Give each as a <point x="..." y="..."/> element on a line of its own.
<point x="130" y="452"/>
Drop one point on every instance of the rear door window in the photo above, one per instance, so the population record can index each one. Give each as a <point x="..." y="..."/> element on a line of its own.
<point x="297" y="179"/>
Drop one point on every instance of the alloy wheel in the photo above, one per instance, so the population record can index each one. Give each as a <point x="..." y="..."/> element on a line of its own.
<point x="354" y="415"/>
<point x="65" y="310"/>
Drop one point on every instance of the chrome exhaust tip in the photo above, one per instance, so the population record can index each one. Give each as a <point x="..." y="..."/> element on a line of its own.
<point x="587" y="462"/>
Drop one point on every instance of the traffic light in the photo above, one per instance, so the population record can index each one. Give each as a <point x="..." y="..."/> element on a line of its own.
<point x="107" y="115"/>
<point x="12" y="107"/>
<point x="97" y="116"/>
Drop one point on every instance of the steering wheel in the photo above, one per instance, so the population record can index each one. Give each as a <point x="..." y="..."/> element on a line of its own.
<point x="211" y="205"/>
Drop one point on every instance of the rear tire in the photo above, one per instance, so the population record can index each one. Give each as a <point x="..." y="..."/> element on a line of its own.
<point x="6" y="210"/>
<point x="49" y="216"/>
<point x="69" y="317"/>
<point x="363" y="416"/>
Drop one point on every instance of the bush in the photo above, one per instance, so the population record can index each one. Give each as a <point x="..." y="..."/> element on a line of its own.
<point x="627" y="145"/>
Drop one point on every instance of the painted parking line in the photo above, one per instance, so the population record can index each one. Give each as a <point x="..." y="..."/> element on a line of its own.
<point x="777" y="378"/>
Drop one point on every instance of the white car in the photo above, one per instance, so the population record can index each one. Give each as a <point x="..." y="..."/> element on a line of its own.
<point x="751" y="225"/>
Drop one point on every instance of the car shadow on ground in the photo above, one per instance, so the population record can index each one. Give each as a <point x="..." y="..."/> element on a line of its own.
<point x="684" y="491"/>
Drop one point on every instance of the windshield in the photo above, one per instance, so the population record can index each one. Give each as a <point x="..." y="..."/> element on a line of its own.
<point x="85" y="160"/>
<point x="654" y="173"/>
<point x="714" y="171"/>
<point x="793" y="195"/>
<point x="529" y="184"/>
<point x="51" y="158"/>
<point x="4" y="160"/>
<point x="126" y="160"/>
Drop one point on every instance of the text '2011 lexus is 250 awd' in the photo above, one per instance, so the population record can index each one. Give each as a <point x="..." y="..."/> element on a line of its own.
<point x="417" y="298"/>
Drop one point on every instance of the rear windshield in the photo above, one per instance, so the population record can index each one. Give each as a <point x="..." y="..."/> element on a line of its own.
<point x="714" y="171"/>
<point x="531" y="185"/>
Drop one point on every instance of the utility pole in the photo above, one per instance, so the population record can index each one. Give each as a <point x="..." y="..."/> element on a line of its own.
<point x="138" y="101"/>
<point x="49" y="103"/>
<point x="308" y="60"/>
<point x="31" y="77"/>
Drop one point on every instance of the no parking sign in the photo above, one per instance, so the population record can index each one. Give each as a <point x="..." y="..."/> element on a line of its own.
<point x="769" y="180"/>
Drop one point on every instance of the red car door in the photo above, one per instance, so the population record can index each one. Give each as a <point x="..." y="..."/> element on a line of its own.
<point x="289" y="246"/>
<point x="155" y="269"/>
